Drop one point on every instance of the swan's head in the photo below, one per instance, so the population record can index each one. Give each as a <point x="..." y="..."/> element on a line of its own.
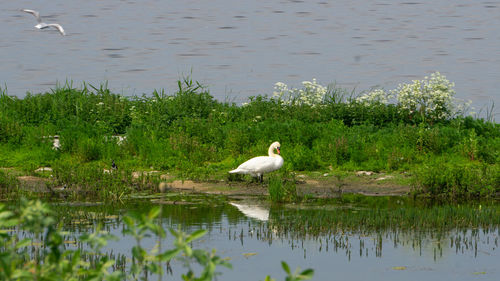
<point x="276" y="145"/>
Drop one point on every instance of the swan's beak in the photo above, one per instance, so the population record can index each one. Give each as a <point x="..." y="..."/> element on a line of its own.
<point x="278" y="149"/>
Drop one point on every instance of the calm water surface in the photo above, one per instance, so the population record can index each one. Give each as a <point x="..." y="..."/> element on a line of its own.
<point x="241" y="48"/>
<point x="390" y="253"/>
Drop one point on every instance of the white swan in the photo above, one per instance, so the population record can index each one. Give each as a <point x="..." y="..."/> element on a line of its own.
<point x="42" y="25"/>
<point x="257" y="166"/>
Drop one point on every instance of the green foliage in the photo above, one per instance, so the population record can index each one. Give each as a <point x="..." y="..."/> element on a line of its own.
<point x="457" y="179"/>
<point x="295" y="276"/>
<point x="282" y="188"/>
<point x="7" y="182"/>
<point x="304" y="159"/>
<point x="196" y="136"/>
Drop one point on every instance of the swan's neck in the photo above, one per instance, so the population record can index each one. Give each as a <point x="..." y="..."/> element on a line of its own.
<point x="271" y="152"/>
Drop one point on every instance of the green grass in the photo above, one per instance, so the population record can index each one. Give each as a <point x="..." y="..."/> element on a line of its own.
<point x="192" y="135"/>
<point x="282" y="189"/>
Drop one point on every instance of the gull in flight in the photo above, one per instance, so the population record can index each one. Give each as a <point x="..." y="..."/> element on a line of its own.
<point x="42" y="25"/>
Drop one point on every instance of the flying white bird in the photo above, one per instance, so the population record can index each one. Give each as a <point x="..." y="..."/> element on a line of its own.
<point x="42" y="25"/>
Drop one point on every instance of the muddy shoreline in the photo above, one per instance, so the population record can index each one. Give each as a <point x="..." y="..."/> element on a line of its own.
<point x="316" y="185"/>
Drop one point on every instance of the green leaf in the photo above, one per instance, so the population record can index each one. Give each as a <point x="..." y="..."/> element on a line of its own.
<point x="168" y="255"/>
<point x="138" y="252"/>
<point x="201" y="256"/>
<point x="21" y="274"/>
<point x="188" y="251"/>
<point x="153" y="213"/>
<point x="195" y="235"/>
<point x="23" y="243"/>
<point x="128" y="221"/>
<point x="9" y="223"/>
<point x="286" y="268"/>
<point x="5" y="214"/>
<point x="108" y="264"/>
<point x="306" y="274"/>
<point x="174" y="233"/>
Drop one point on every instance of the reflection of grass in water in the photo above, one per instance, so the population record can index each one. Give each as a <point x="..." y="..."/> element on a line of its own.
<point x="385" y="214"/>
<point x="350" y="213"/>
<point x="346" y="222"/>
<point x="368" y="222"/>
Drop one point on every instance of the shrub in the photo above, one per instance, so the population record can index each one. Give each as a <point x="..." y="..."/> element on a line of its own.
<point x="457" y="180"/>
<point x="302" y="158"/>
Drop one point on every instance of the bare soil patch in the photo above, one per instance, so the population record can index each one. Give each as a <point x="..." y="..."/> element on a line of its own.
<point x="370" y="184"/>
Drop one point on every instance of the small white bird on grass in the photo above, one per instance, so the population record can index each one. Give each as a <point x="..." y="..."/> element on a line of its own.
<point x="42" y="25"/>
<point x="257" y="166"/>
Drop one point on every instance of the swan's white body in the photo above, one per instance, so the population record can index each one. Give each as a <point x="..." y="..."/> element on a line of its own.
<point x="260" y="165"/>
<point x="42" y="25"/>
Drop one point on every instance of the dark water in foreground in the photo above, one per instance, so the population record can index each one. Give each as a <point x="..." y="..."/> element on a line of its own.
<point x="241" y="48"/>
<point x="255" y="246"/>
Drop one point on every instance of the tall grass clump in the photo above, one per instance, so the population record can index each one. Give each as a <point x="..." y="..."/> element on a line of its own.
<point x="282" y="189"/>
<point x="8" y="183"/>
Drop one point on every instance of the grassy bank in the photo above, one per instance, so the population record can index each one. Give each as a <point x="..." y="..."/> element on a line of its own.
<point x="192" y="135"/>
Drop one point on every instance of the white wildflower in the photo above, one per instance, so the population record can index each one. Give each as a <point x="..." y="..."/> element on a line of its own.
<point x="431" y="97"/>
<point x="373" y="97"/>
<point x="311" y="94"/>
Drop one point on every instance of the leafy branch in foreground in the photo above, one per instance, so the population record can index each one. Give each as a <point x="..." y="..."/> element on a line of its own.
<point x="40" y="253"/>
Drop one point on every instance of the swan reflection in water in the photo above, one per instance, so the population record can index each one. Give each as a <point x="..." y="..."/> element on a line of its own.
<point x="252" y="211"/>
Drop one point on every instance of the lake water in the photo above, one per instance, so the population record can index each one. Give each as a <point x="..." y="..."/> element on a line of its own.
<point x="256" y="244"/>
<point x="241" y="48"/>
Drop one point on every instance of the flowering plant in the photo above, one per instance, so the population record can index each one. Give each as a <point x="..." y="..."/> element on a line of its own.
<point x="373" y="97"/>
<point x="311" y="94"/>
<point x="431" y="98"/>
